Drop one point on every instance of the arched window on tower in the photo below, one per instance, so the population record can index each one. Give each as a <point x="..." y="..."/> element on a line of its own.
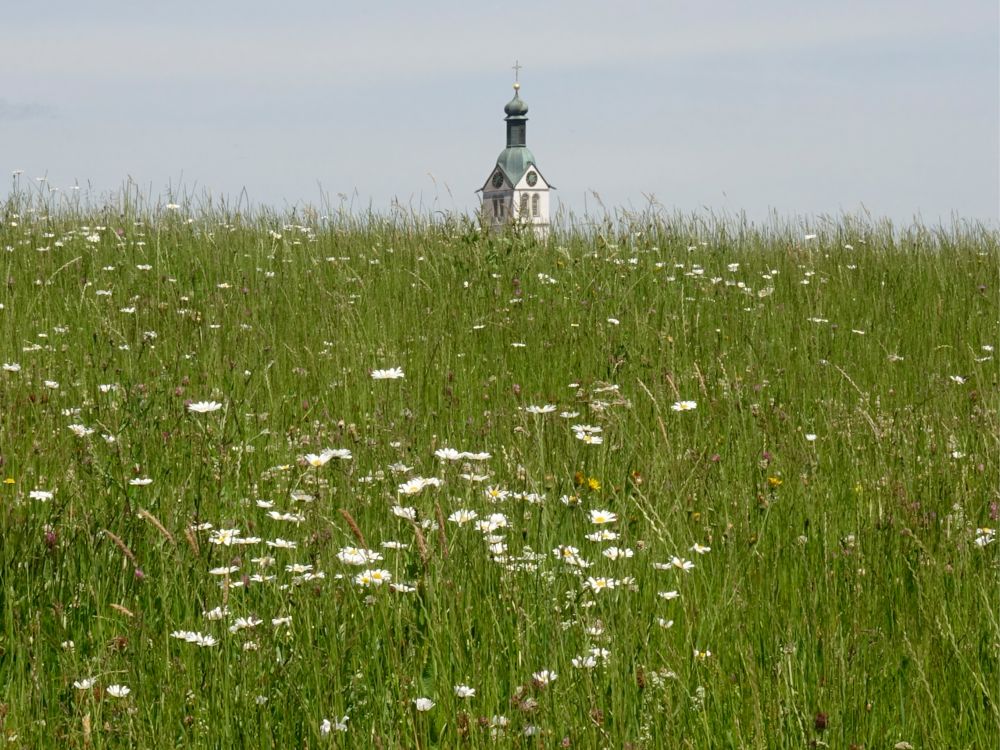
<point x="534" y="205"/>
<point x="524" y="205"/>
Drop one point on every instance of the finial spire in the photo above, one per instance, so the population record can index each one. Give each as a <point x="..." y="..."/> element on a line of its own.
<point x="516" y="67"/>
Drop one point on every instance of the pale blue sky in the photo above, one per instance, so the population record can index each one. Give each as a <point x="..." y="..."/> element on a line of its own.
<point x="795" y="107"/>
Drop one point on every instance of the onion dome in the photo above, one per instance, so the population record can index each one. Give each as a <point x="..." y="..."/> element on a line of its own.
<point x="516" y="107"/>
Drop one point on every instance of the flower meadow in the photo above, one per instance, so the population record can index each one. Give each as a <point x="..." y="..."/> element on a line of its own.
<point x="301" y="481"/>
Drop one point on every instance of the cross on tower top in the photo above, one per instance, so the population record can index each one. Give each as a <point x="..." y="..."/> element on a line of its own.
<point x="516" y="67"/>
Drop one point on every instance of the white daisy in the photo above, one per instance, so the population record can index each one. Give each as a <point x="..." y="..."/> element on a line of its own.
<point x="392" y="373"/>
<point x="204" y="407"/>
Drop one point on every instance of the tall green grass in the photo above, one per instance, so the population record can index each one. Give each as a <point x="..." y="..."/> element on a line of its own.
<point x="844" y="601"/>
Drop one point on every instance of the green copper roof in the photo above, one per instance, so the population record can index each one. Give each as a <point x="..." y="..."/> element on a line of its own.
<point x="516" y="107"/>
<point x="516" y="158"/>
<point x="514" y="161"/>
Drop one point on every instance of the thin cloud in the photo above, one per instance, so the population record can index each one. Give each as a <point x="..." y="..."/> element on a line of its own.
<point x="16" y="111"/>
<point x="395" y="48"/>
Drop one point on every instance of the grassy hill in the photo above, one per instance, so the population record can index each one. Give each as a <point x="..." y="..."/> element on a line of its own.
<point x="666" y="482"/>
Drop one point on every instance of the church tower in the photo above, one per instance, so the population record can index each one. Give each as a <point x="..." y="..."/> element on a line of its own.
<point x="515" y="192"/>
